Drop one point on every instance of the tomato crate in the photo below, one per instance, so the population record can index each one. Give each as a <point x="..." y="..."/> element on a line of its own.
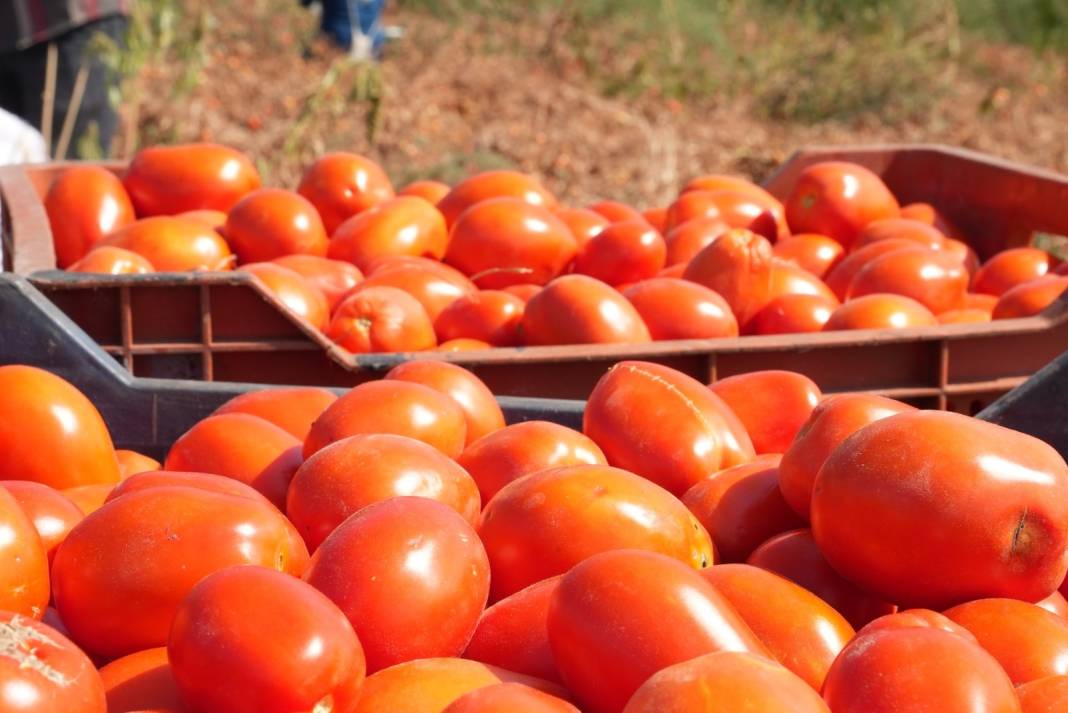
<point x="145" y="414"/>
<point x="226" y="327"/>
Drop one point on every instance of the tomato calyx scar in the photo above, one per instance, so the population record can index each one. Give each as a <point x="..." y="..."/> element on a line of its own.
<point x="20" y="642"/>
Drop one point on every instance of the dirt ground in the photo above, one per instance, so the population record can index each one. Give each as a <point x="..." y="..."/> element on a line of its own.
<point x="453" y="98"/>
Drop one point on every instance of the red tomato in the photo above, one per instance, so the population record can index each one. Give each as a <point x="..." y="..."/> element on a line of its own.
<point x="163" y="180"/>
<point x="381" y="319"/>
<point x="1046" y="695"/>
<point x="912" y="618"/>
<point x="523" y="292"/>
<point x="745" y="209"/>
<point x="772" y="405"/>
<point x="108" y="260"/>
<point x="741" y="507"/>
<point x="435" y="285"/>
<point x="685" y="241"/>
<point x="920" y="233"/>
<point x="790" y="314"/>
<point x="257" y="640"/>
<point x="493" y="184"/>
<point x="172" y="244"/>
<point x="977" y="301"/>
<point x="691" y="205"/>
<point x="411" y="576"/>
<point x="335" y="278"/>
<point x="721" y="181"/>
<point x="512" y="452"/>
<point x="122" y="571"/>
<point x="507" y="241"/>
<point x="514" y="697"/>
<point x="199" y="481"/>
<point x="40" y="414"/>
<point x="141" y="681"/>
<point x="815" y="253"/>
<point x="933" y="278"/>
<point x="393" y="406"/>
<point x="663" y="425"/>
<point x="964" y="253"/>
<point x="214" y="219"/>
<point x="917" y="669"/>
<point x="491" y="316"/>
<point x="880" y="311"/>
<point x="583" y="223"/>
<point x="623" y="252"/>
<point x="607" y="638"/>
<point x="838" y="199"/>
<point x="964" y="316"/>
<point x="737" y="265"/>
<point x="41" y="671"/>
<point x="896" y="486"/>
<point x="795" y="556"/>
<point x="295" y="293"/>
<point x="292" y="409"/>
<point x="53" y="514"/>
<point x="616" y="212"/>
<point x="463" y="344"/>
<point x="405" y="225"/>
<point x="357" y="471"/>
<point x="725" y="682"/>
<point x="243" y="447"/>
<point x="88" y="498"/>
<point x="840" y="277"/>
<point x="132" y="463"/>
<point x="789" y="279"/>
<point x="656" y="217"/>
<point x="430" y="191"/>
<point x="272" y="222"/>
<point x="1010" y="268"/>
<point x="927" y="213"/>
<point x="576" y="309"/>
<point x="1029" y="642"/>
<point x="678" y="309"/>
<point x="481" y="410"/>
<point x="1030" y="298"/>
<point x="24" y="586"/>
<point x="340" y="185"/>
<point x="85" y="203"/>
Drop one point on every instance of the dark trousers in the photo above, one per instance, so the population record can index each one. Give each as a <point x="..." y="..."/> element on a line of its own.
<point x="22" y="83"/>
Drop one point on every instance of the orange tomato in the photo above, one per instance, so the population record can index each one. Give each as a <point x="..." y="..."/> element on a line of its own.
<point x="53" y="514"/>
<point x="656" y="217"/>
<point x="493" y="184"/>
<point x="463" y="344"/>
<point x="172" y="244"/>
<point x="142" y="681"/>
<point x="927" y="213"/>
<point x="491" y="316"/>
<point x="430" y="191"/>
<point x="678" y="309"/>
<point x="272" y="222"/>
<point x="583" y="223"/>
<point x="164" y="180"/>
<point x="577" y="309"/>
<point x="1046" y="695"/>
<point x="132" y="463"/>
<point x="435" y="285"/>
<point x="746" y="209"/>
<point x="108" y="260"/>
<point x="334" y="278"/>
<point x="918" y="232"/>
<point x="789" y="279"/>
<point x="215" y="219"/>
<point x="481" y="410"/>
<point x="772" y="405"/>
<point x="789" y="314"/>
<point x="1010" y="268"/>
<point x="692" y="205"/>
<point x="623" y="252"/>
<point x="737" y="265"/>
<point x="974" y="300"/>
<point x="514" y="697"/>
<point x="616" y="212"/>
<point x="686" y="240"/>
<point x="293" y="409"/>
<point x="405" y="225"/>
<point x="88" y="498"/>
<point x="812" y="252"/>
<point x="24" y="586"/>
<point x="296" y="294"/>
<point x="964" y="316"/>
<point x="840" y="277"/>
<point x="933" y="278"/>
<point x="341" y="185"/>
<point x="85" y="203"/>
<point x="1030" y="298"/>
<point x="838" y="199"/>
<point x="200" y="481"/>
<point x="880" y="311"/>
<point x="964" y="253"/>
<point x="381" y="319"/>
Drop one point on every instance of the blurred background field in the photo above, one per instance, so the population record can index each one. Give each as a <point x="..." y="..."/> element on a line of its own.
<point x="602" y="98"/>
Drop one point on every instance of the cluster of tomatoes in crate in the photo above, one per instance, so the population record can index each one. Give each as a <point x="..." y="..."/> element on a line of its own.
<point x="745" y="546"/>
<point x="495" y="261"/>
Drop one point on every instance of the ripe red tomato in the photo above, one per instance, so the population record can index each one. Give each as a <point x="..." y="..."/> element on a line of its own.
<point x="583" y="223"/>
<point x="491" y="316"/>
<point x="656" y="217"/>
<point x="772" y="405"/>
<point x="789" y="279"/>
<point x="691" y="205"/>
<point x="1046" y="695"/>
<point x="840" y="277"/>
<point x="684" y="241"/>
<point x="912" y="618"/>
<point x="272" y="222"/>
<point x="463" y="344"/>
<point x="295" y="293"/>
<point x="430" y="191"/>
<point x="789" y="314"/>
<point x="251" y="639"/>
<point x="934" y="278"/>
<point x="751" y="211"/>
<point x="199" y="481"/>
<point x="577" y="309"/>
<point x="920" y="233"/>
<point x="623" y="252"/>
<point x="142" y="681"/>
<point x="355" y="472"/>
<point x="493" y="184"/>
<point x="838" y="199"/>
<point x="341" y="185"/>
<point x="1030" y="298"/>
<point x="164" y="180"/>
<point x="335" y="278"/>
<point x="214" y="219"/>
<point x="405" y="225"/>
<point x="663" y="425"/>
<point x="381" y="319"/>
<point x="393" y="406"/>
<point x="292" y="409"/>
<point x="619" y="617"/>
<point x="679" y="309"/>
<point x="974" y="300"/>
<point x="514" y="697"/>
<point x="173" y="244"/>
<point x="109" y="260"/>
<point x="809" y="251"/>
<point x="1010" y="268"/>
<point x="523" y="292"/>
<point x="896" y="486"/>
<point x="927" y="213"/>
<point x="411" y="576"/>
<point x="88" y="498"/>
<point x="738" y="266"/>
<point x="880" y="311"/>
<point x="434" y="284"/>
<point x="722" y="181"/>
<point x="85" y="203"/>
<point x="481" y="411"/>
<point x="53" y="514"/>
<point x="616" y="212"/>
<point x="24" y="586"/>
<point x="964" y="316"/>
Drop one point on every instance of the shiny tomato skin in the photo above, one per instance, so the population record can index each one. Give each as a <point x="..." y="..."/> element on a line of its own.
<point x="299" y="296"/>
<point x="341" y="185"/>
<point x="491" y="316"/>
<point x="772" y="405"/>
<point x="428" y="190"/>
<point x="791" y="314"/>
<point x="578" y="309"/>
<point x="725" y="682"/>
<point x="132" y="463"/>
<point x="737" y="265"/>
<point x="615" y="211"/>
<point x="405" y="225"/>
<point x="24" y="583"/>
<point x="84" y="203"/>
<point x="912" y="470"/>
<point x="410" y="575"/>
<point x="524" y="291"/>
<point x="912" y="618"/>
<point x="679" y="309"/>
<point x="691" y="205"/>
<point x="840" y="277"/>
<point x="53" y="514"/>
<point x="918" y="232"/>
<point x="1046" y="695"/>
<point x="165" y="180"/>
<point x="88" y="498"/>
<point x="199" y="481"/>
<point x="621" y="253"/>
<point x="272" y="222"/>
<point x="514" y="697"/>
<point x="1010" y="268"/>
<point x="394" y="406"/>
<point x="249" y="639"/>
<point x="656" y="217"/>
<point x="434" y="284"/>
<point x="927" y="213"/>
<point x="880" y="310"/>
<point x="838" y="199"/>
<point x="974" y="300"/>
<point x="41" y="413"/>
<point x="1055" y="603"/>
<point x="42" y="671"/>
<point x="214" y="219"/>
<point x="809" y="251"/>
<point x="110" y="260"/>
<point x="482" y="413"/>
<point x="747" y="210"/>
<point x="583" y="223"/>
<point x="1030" y="298"/>
<point x="381" y="319"/>
<point x="142" y="681"/>
<point x="684" y="241"/>
<point x="493" y="184"/>
<point x="334" y="278"/>
<point x="174" y="244"/>
<point x="663" y="425"/>
<point x="292" y="409"/>
<point x="358" y="471"/>
<point x="789" y="279"/>
<point x="607" y="638"/>
<point x="462" y="344"/>
<point x="933" y="278"/>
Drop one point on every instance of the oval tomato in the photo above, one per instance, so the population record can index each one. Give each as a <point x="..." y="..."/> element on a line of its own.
<point x="493" y="184"/>
<point x="789" y="314"/>
<point x="738" y="266"/>
<point x="1046" y="695"/>
<point x="621" y="253"/>
<point x="293" y="409"/>
<point x="428" y="190"/>
<point x="109" y="260"/>
<point x="433" y="284"/>
<point x="514" y="697"/>
<point x="174" y="244"/>
<point x="24" y="585"/>
<point x="577" y="309"/>
<point x="335" y="278"/>
<point x="772" y="405"/>
<point x="405" y="225"/>
<point x="678" y="309"/>
<point x="685" y="241"/>
<point x="295" y="293"/>
<point x="53" y="514"/>
<point x="615" y="211"/>
<point x="341" y="185"/>
<point x="199" y="481"/>
<point x="272" y="222"/>
<point x="164" y="180"/>
<point x="918" y="232"/>
<point x="381" y="319"/>
<point x="838" y="199"/>
<point x="1030" y="298"/>
<point x="934" y="278"/>
<point x="880" y="311"/>
<point x="141" y="681"/>
<point x="481" y="411"/>
<point x="1010" y="268"/>
<point x="964" y="316"/>
<point x="912" y="618"/>
<point x="840" y="277"/>
<point x="491" y="316"/>
<point x="85" y="203"/>
<point x="809" y="251"/>
<point x="463" y="344"/>
<point x="751" y="211"/>
<point x="583" y="223"/>
<point x="691" y="205"/>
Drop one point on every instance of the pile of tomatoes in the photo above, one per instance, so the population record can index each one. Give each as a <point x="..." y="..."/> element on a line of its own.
<point x="496" y="261"/>
<point x="746" y="546"/>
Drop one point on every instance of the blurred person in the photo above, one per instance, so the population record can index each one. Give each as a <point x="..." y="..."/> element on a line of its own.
<point x="20" y="142"/>
<point x="27" y="29"/>
<point x="354" y="25"/>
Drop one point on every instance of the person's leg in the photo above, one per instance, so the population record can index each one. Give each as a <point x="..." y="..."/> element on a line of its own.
<point x="335" y="22"/>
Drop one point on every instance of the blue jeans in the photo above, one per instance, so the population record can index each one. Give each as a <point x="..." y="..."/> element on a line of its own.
<point x="338" y="16"/>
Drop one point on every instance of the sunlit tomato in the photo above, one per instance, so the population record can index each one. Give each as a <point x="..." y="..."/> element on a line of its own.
<point x="772" y="405"/>
<point x="257" y="640"/>
<point x="405" y="225"/>
<point x="381" y="319"/>
<point x="53" y="514"/>
<point x="85" y="203"/>
<point x="964" y="316"/>
<point x="656" y="217"/>
<point x="912" y="618"/>
<point x="837" y="199"/>
<point x="24" y="585"/>
<point x="685" y="241"/>
<point x="789" y="279"/>
<point x="514" y="697"/>
<point x="719" y="181"/>
<point x="812" y="252"/>
<point x="132" y="463"/>
<point x="745" y="209"/>
<point x="243" y="447"/>
<point x="199" y="481"/>
<point x="524" y="291"/>
<point x="896" y="486"/>
<point x="933" y="278"/>
<point x="795" y="556"/>
<point x="173" y="244"/>
<point x="492" y="316"/>
<point x="481" y="410"/>
<point x="493" y="184"/>
<point x="607" y="639"/>
<point x="1029" y="642"/>
<point x="927" y="213"/>
<point x="334" y="278"/>
<point x="737" y="265"/>
<point x="577" y="309"/>
<point x="355" y="472"/>
<point x="141" y="681"/>
<point x="163" y="180"/>
<point x="1055" y="603"/>
<point x="507" y="241"/>
<point x="50" y="433"/>
<point x="428" y="190"/>
<point x="41" y="671"/>
<point x="973" y="300"/>
<point x="88" y="498"/>
<point x="917" y="669"/>
<point x="292" y="409"/>
<point x="299" y="296"/>
<point x="110" y="260"/>
<point x="663" y="425"/>
<point x="340" y="185"/>
<point x="616" y="212"/>
<point x="725" y="682"/>
<point x="790" y="314"/>
<point x="272" y="222"/>
<point x="919" y="233"/>
<point x="583" y="223"/>
<point x="692" y="205"/>
<point x="623" y="252"/>
<point x="435" y="285"/>
<point x="122" y="571"/>
<point x="463" y="344"/>
<point x="880" y="311"/>
<point x="393" y="406"/>
<point x="1046" y="695"/>
<point x="964" y="253"/>
<point x="215" y="219"/>
<point x="840" y="277"/>
<point x="679" y="309"/>
<point x="741" y="507"/>
<point x="1030" y="298"/>
<point x="1010" y="268"/>
<point x="512" y="633"/>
